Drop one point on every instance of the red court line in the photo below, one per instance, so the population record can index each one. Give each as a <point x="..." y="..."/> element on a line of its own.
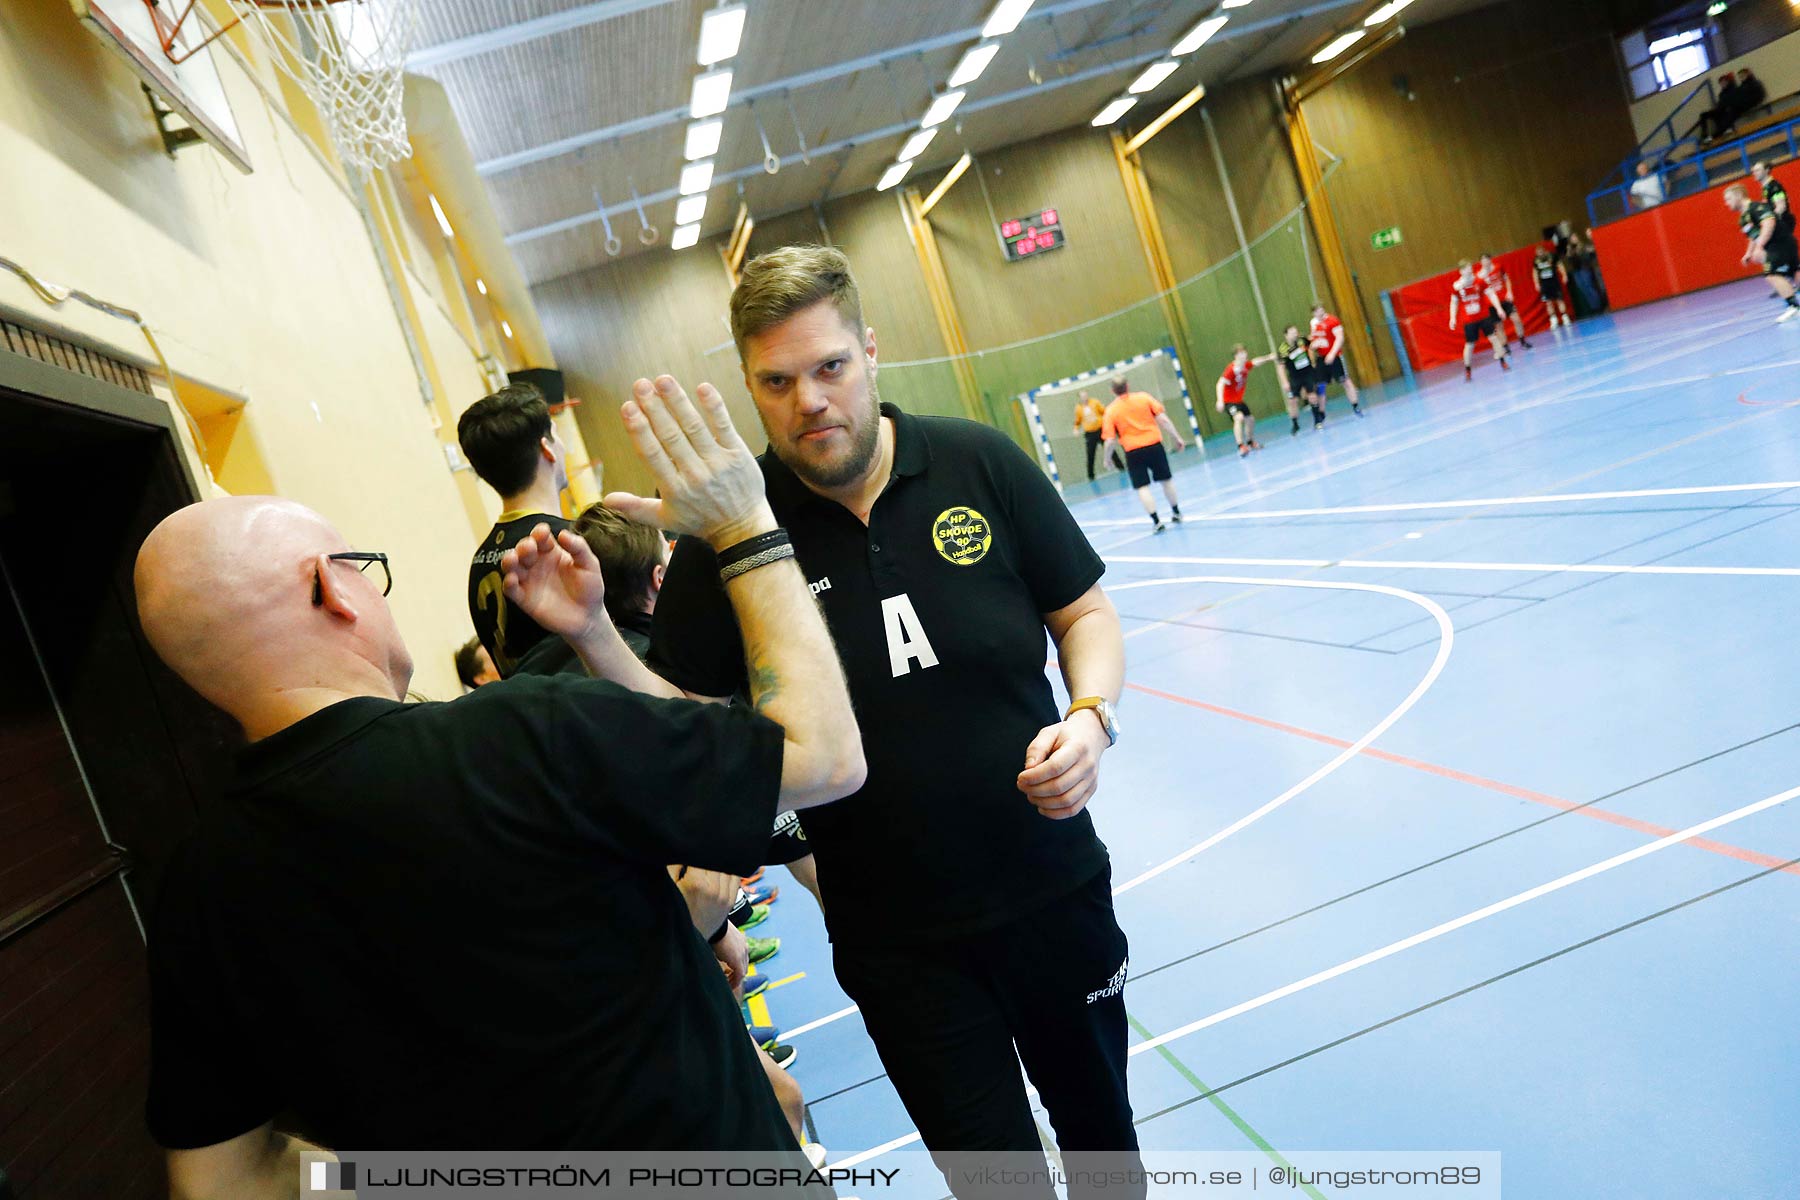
<point x="1493" y="785"/>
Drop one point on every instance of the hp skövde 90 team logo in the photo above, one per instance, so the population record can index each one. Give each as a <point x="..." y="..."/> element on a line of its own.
<point x="962" y="535"/>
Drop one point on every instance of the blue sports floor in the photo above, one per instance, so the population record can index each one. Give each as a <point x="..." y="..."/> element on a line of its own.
<point x="1433" y="900"/>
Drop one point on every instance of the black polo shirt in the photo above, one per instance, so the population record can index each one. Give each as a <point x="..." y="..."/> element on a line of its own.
<point x="450" y="926"/>
<point x="937" y="608"/>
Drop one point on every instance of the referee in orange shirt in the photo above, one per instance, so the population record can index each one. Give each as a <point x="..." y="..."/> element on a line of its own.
<point x="1137" y="422"/>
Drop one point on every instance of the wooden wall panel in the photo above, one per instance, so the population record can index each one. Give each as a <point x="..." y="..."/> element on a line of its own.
<point x="1493" y="146"/>
<point x="656" y="313"/>
<point x="869" y="228"/>
<point x="1100" y="270"/>
<point x="1750" y="24"/>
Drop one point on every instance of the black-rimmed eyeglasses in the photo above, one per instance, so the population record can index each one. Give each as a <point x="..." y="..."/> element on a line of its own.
<point x="364" y="559"/>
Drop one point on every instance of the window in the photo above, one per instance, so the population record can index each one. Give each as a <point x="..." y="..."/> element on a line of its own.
<point x="1656" y="60"/>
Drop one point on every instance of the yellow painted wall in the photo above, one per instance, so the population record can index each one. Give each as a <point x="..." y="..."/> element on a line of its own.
<point x="265" y="286"/>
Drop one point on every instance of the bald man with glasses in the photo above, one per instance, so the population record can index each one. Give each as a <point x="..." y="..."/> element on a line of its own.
<point x="450" y="926"/>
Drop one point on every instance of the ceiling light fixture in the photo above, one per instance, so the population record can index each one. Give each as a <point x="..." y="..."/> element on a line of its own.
<point x="506" y="329"/>
<point x="1390" y="9"/>
<point x="684" y="236"/>
<point x="1234" y="3"/>
<point x="1113" y="111"/>
<point x="1338" y="45"/>
<point x="480" y="286"/>
<point x="703" y="139"/>
<point x="1005" y="18"/>
<point x="893" y="175"/>
<point x="973" y="62"/>
<point x="720" y="32"/>
<point x="690" y="209"/>
<point x="712" y="92"/>
<point x="941" y="108"/>
<point x="915" y="145"/>
<point x="1153" y="74"/>
<point x="437" y="210"/>
<point x="696" y="178"/>
<point x="1197" y="36"/>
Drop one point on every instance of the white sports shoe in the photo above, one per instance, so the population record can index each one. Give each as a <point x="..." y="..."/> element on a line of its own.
<point x="1787" y="313"/>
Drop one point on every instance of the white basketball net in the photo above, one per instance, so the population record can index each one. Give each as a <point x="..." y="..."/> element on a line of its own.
<point x="350" y="58"/>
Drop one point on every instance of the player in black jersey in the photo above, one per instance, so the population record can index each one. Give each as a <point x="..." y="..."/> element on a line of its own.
<point x="1770" y="247"/>
<point x="1775" y="196"/>
<point x="1293" y="362"/>
<point x="1553" y="285"/>
<point x="509" y="440"/>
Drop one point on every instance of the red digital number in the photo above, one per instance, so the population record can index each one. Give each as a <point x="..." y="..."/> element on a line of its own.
<point x="1048" y="216"/>
<point x="1010" y="229"/>
<point x="1027" y="245"/>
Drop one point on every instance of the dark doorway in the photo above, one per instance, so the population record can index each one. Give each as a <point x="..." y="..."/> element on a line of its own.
<point x="104" y="760"/>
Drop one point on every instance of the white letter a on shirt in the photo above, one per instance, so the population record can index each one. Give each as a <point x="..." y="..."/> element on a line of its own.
<point x="905" y="636"/>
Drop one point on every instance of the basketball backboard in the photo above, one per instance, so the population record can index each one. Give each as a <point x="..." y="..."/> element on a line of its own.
<point x="185" y="77"/>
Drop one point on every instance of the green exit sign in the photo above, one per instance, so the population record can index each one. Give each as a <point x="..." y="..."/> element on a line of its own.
<point x="1385" y="239"/>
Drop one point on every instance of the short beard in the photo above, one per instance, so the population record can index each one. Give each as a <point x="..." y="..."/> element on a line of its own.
<point x="854" y="464"/>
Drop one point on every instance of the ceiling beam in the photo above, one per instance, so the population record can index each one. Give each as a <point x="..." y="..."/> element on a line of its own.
<point x="674" y="116"/>
<point x="874" y="135"/>
<point x="426" y="57"/>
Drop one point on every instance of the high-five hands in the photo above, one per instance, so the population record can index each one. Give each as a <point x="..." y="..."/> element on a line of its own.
<point x="709" y="481"/>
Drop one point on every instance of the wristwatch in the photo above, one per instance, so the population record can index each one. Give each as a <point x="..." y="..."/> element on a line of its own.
<point x="1109" y="718"/>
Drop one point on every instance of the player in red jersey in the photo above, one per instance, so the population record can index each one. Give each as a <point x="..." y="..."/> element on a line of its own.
<point x="1477" y="310"/>
<point x="1494" y="278"/>
<point x="1230" y="388"/>
<point x="1327" y="338"/>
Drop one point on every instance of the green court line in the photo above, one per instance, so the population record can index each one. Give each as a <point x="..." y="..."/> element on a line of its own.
<point x="1256" y="1139"/>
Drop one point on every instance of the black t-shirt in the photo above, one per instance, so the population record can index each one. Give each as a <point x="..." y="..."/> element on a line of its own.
<point x="1784" y="218"/>
<point x="1545" y="266"/>
<point x="1753" y="216"/>
<point x="937" y="611"/>
<point x="1296" y="356"/>
<point x="513" y="640"/>
<point x="449" y="926"/>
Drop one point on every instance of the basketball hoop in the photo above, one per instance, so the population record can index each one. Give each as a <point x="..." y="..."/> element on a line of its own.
<point x="348" y="56"/>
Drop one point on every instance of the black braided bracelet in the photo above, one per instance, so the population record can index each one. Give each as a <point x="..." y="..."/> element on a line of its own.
<point x="759" y="551"/>
<point x="738" y="551"/>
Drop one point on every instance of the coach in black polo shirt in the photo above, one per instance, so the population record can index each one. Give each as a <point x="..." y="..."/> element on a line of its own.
<point x="939" y="554"/>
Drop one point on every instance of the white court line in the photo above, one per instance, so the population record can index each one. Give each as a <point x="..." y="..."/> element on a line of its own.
<point x="1407" y="943"/>
<point x="1427" y="505"/>
<point x="839" y="1015"/>
<point x="874" y="1152"/>
<point x="1403" y="564"/>
<point x="1446" y="639"/>
<point x="1480" y="914"/>
<point x="1359" y="564"/>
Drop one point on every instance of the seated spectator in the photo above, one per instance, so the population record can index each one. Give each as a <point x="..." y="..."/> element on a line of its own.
<point x="1717" y="119"/>
<point x="443" y="926"/>
<point x="1751" y="94"/>
<point x="473" y="666"/>
<point x="633" y="559"/>
<point x="1647" y="192"/>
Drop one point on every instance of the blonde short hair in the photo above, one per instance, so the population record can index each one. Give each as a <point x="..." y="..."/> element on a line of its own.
<point x="776" y="285"/>
<point x="1737" y="189"/>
